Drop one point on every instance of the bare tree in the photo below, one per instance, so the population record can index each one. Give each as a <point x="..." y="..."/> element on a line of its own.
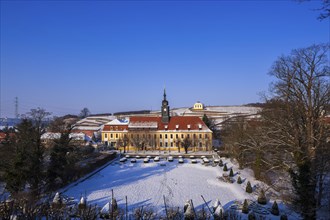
<point x="150" y="142"/>
<point x="125" y="142"/>
<point x="301" y="94"/>
<point x="178" y="142"/>
<point x="119" y="143"/>
<point x="234" y="133"/>
<point x="291" y="134"/>
<point x="84" y="113"/>
<point x="324" y="9"/>
<point x="138" y="141"/>
<point x="186" y="143"/>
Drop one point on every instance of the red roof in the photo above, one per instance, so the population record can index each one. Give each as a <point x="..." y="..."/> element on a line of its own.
<point x="183" y="122"/>
<point x="2" y="135"/>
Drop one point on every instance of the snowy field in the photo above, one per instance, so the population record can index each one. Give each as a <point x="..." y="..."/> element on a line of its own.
<point x="145" y="184"/>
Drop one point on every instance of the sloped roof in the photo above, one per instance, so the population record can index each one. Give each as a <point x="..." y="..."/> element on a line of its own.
<point x="118" y="122"/>
<point x="175" y="123"/>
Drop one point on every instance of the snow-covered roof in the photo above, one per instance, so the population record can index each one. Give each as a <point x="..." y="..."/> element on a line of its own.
<point x="50" y="136"/>
<point x="234" y="109"/>
<point x="148" y="124"/>
<point x="119" y="122"/>
<point x="95" y="121"/>
<point x="94" y="128"/>
<point x="75" y="136"/>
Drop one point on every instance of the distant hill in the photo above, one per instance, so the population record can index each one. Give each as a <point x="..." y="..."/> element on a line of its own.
<point x="132" y="112"/>
<point x="257" y="104"/>
<point x="100" y="114"/>
<point x="10" y="122"/>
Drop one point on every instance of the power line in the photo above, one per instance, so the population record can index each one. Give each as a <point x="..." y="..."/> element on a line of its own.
<point x="16" y="107"/>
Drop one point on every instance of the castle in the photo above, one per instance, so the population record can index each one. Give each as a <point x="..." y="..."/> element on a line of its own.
<point x="164" y="132"/>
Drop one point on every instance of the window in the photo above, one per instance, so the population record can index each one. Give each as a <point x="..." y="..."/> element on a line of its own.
<point x="166" y="144"/>
<point x="200" y="135"/>
<point x="176" y="136"/>
<point x="116" y="135"/>
<point x="155" y="136"/>
<point x="200" y="144"/>
<point x="206" y="136"/>
<point x="160" y="144"/>
<point x="182" y="135"/>
<point x="111" y="135"/>
<point x="188" y="135"/>
<point x="137" y="136"/>
<point x="160" y="136"/>
<point x="194" y="135"/>
<point x="171" y="144"/>
<point x="105" y="135"/>
<point x="165" y="136"/>
<point x="171" y="136"/>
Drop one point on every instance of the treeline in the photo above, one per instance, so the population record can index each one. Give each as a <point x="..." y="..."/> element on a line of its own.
<point x="290" y="139"/>
<point x="30" y="171"/>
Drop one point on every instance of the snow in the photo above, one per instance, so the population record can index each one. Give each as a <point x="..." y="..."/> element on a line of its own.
<point x="57" y="198"/>
<point x="227" y="110"/>
<point x="75" y="136"/>
<point x="119" y="121"/>
<point x="144" y="184"/>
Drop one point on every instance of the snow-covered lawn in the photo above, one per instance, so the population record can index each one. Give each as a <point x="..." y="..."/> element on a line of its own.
<point x="145" y="184"/>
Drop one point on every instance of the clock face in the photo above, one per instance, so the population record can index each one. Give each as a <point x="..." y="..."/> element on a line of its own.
<point x="164" y="109"/>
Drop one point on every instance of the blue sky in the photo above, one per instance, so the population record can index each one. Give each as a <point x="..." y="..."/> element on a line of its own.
<point x="114" y="56"/>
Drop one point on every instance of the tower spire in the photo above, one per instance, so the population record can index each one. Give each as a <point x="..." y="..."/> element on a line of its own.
<point x="165" y="109"/>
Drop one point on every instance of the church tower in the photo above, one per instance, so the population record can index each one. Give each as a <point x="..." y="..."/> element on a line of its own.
<point x="165" y="110"/>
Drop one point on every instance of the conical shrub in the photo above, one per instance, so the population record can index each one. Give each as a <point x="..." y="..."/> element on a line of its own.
<point x="239" y="180"/>
<point x="245" y="208"/>
<point x="57" y="201"/>
<point x="114" y="204"/>
<point x="262" y="198"/>
<point x="248" y="188"/>
<point x="225" y="167"/>
<point x="251" y="216"/>
<point x="231" y="173"/>
<point x="82" y="203"/>
<point x="284" y="217"/>
<point x="275" y="210"/>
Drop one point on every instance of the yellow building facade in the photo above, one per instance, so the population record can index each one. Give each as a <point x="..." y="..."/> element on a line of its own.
<point x="158" y="132"/>
<point x="198" y="106"/>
